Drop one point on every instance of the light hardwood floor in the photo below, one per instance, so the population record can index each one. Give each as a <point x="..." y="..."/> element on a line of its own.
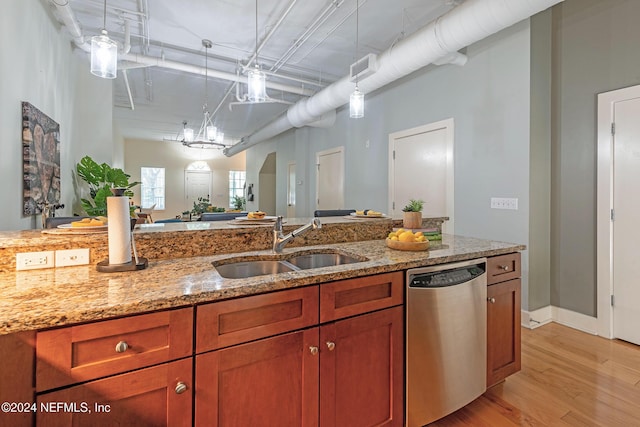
<point x="568" y="378"/>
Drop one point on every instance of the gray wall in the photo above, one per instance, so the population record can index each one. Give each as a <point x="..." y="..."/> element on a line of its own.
<point x="37" y="65"/>
<point x="540" y="169"/>
<point x="489" y="101"/>
<point x="595" y="49"/>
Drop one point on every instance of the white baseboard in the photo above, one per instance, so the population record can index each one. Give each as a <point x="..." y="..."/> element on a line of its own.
<point x="539" y="317"/>
<point x="550" y="313"/>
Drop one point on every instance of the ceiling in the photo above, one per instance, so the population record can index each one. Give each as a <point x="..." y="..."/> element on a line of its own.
<point x="303" y="45"/>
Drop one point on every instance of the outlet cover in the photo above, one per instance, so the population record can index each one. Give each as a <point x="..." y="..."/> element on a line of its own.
<point x="34" y="260"/>
<point x="69" y="257"/>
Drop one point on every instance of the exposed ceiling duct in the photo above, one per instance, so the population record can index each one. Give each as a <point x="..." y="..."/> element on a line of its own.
<point x="468" y="23"/>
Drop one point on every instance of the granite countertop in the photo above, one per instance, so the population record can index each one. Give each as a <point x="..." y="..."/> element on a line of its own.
<point x="47" y="298"/>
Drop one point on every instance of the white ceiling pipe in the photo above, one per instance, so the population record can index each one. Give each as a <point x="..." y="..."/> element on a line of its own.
<point x="460" y="27"/>
<point x="194" y="69"/>
<point x="69" y="20"/>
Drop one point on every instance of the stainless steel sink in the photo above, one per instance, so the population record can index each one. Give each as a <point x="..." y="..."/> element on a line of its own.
<point x="231" y="269"/>
<point x="319" y="260"/>
<point x="243" y="269"/>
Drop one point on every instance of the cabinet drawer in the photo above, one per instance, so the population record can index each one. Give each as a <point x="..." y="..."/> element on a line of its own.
<point x="226" y="323"/>
<point x="503" y="267"/>
<point x="85" y="352"/>
<point x="346" y="298"/>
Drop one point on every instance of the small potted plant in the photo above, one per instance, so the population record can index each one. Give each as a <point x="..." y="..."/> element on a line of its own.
<point x="412" y="214"/>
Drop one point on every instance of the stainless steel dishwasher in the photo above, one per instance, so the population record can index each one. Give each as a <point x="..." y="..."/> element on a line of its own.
<point x="446" y="342"/>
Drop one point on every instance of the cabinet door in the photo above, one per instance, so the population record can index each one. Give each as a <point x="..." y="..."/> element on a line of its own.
<point x="361" y="370"/>
<point x="148" y="397"/>
<point x="503" y="330"/>
<point x="271" y="382"/>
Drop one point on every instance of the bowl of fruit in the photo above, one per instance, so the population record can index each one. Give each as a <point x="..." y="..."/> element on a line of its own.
<point x="407" y="240"/>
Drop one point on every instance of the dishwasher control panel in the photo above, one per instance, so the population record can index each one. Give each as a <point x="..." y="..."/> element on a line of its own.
<point x="438" y="279"/>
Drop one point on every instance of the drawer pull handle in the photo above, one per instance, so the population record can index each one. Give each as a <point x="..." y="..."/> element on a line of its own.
<point x="504" y="267"/>
<point x="181" y="387"/>
<point x="121" y="347"/>
<point x="313" y="350"/>
<point x="492" y="300"/>
<point x="331" y="345"/>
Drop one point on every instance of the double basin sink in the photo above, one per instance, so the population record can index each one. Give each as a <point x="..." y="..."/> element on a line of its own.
<point x="239" y="268"/>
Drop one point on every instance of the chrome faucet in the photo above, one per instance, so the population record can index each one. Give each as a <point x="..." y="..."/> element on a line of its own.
<point x="280" y="240"/>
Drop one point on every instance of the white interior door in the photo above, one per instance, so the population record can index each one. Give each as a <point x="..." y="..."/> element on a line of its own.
<point x="330" y="179"/>
<point x="197" y="184"/>
<point x="626" y="233"/>
<point x="291" y="190"/>
<point x="421" y="167"/>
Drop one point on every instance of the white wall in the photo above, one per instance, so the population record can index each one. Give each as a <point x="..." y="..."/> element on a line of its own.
<point x="38" y="65"/>
<point x="489" y="101"/>
<point x="175" y="158"/>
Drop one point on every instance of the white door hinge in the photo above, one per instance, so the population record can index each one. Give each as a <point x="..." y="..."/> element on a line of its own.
<point x="613" y="215"/>
<point x="613" y="128"/>
<point x="612" y="300"/>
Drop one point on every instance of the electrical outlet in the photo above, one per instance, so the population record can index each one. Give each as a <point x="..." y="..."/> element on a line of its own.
<point x="34" y="260"/>
<point x="68" y="257"/>
<point x="504" y="203"/>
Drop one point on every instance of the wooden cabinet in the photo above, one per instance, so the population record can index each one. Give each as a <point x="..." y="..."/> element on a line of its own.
<point x="503" y="317"/>
<point x="347" y="370"/>
<point x="361" y="370"/>
<point x="130" y="371"/>
<point x="155" y="396"/>
<point x="270" y="382"/>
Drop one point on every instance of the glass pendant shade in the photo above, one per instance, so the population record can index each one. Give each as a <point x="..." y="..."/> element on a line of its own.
<point x="257" y="85"/>
<point x="356" y="104"/>
<point x="220" y="137"/>
<point x="212" y="132"/>
<point x="104" y="56"/>
<point x="188" y="134"/>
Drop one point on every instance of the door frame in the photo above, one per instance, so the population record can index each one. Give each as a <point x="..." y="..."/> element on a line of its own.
<point x="448" y="125"/>
<point x="339" y="150"/>
<point x="604" y="205"/>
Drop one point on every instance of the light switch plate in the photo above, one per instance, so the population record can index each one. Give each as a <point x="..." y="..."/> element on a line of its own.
<point x="504" y="203"/>
<point x="34" y="260"/>
<point x="69" y="257"/>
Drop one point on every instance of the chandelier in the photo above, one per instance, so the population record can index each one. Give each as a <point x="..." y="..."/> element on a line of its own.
<point x="256" y="79"/>
<point x="356" y="100"/>
<point x="208" y="136"/>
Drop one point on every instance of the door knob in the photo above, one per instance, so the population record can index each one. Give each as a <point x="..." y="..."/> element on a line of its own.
<point x="121" y="347"/>
<point x="331" y="345"/>
<point x="313" y="350"/>
<point x="181" y="387"/>
<point x="492" y="300"/>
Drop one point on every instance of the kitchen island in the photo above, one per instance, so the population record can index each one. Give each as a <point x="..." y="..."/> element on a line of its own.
<point x="76" y="335"/>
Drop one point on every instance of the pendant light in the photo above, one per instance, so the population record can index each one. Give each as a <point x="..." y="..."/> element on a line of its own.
<point x="104" y="53"/>
<point x="209" y="136"/>
<point x="356" y="100"/>
<point x="256" y="79"/>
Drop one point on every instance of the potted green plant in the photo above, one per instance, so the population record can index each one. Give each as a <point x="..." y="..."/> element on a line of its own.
<point x="412" y="214"/>
<point x="101" y="178"/>
<point x="239" y="203"/>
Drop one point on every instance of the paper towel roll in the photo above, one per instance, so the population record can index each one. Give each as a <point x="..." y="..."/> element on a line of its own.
<point x="119" y="230"/>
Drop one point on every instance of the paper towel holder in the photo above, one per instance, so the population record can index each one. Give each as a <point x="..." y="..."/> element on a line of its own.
<point x="138" y="263"/>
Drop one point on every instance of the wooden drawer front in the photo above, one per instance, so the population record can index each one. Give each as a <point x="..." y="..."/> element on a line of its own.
<point x="80" y="353"/>
<point x="503" y="267"/>
<point x="147" y="397"/>
<point x="226" y="323"/>
<point x="346" y="298"/>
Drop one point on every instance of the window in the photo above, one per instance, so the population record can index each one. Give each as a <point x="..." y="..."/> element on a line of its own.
<point x="236" y="185"/>
<point x="152" y="188"/>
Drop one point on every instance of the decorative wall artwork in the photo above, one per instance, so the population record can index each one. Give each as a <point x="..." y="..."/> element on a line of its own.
<point x="41" y="160"/>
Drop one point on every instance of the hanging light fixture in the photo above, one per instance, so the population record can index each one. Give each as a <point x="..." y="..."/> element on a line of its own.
<point x="209" y="136"/>
<point x="256" y="79"/>
<point x="356" y="100"/>
<point x="104" y="53"/>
